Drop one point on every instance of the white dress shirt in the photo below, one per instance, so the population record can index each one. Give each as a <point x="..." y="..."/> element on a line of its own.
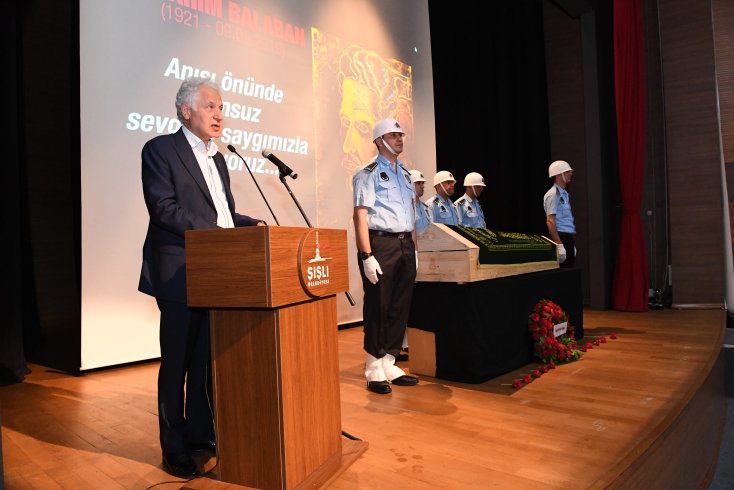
<point x="204" y="152"/>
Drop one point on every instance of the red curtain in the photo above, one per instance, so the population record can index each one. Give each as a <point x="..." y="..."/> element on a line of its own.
<point x="631" y="277"/>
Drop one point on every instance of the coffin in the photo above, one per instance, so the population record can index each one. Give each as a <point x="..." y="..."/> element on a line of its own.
<point x="461" y="254"/>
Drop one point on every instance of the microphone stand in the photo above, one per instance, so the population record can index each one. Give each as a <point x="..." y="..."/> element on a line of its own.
<point x="233" y="150"/>
<point x="298" y="204"/>
<point x="303" y="213"/>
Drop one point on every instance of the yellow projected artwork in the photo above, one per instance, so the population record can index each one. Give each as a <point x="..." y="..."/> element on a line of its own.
<point x="370" y="87"/>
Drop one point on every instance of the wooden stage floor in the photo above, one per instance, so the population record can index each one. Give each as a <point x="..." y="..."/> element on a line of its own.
<point x="643" y="411"/>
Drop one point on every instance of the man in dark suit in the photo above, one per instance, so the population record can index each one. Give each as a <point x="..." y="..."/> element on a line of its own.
<point x="186" y="187"/>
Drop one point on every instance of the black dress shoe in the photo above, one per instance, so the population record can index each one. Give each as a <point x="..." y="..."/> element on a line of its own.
<point x="200" y="447"/>
<point x="180" y="465"/>
<point x="401" y="357"/>
<point x="379" y="387"/>
<point x="405" y="380"/>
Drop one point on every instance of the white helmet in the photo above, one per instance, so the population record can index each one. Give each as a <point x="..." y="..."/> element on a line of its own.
<point x="443" y="176"/>
<point x="416" y="176"/>
<point x="558" y="167"/>
<point x="474" y="178"/>
<point x="385" y="126"/>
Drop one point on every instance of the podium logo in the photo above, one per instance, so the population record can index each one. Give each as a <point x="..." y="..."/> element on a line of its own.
<point x="318" y="273"/>
<point x="322" y="262"/>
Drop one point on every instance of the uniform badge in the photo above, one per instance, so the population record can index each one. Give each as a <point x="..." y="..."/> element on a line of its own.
<point x="384" y="177"/>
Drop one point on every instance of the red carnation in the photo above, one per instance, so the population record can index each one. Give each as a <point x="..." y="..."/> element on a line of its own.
<point x="545" y="368"/>
<point x="527" y="379"/>
<point x="517" y="384"/>
<point x="612" y="335"/>
<point x="603" y="340"/>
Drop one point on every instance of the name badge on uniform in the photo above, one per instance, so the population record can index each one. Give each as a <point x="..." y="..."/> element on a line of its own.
<point x="384" y="177"/>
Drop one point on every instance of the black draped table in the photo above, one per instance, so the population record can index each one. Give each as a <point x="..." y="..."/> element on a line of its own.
<point x="481" y="328"/>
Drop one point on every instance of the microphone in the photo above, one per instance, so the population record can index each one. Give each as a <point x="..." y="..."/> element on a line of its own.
<point x="284" y="169"/>
<point x="232" y="149"/>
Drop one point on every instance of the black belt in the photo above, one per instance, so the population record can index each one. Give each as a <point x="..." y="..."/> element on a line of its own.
<point x="563" y="233"/>
<point x="400" y="236"/>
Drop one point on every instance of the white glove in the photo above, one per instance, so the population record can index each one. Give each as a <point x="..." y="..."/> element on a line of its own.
<point x="561" y="253"/>
<point x="372" y="268"/>
<point x="416" y="260"/>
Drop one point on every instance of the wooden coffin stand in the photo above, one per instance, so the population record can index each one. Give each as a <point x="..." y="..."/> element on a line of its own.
<point x="271" y="294"/>
<point x="446" y="256"/>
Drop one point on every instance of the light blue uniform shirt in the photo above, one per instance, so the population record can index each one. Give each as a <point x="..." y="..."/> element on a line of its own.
<point x="557" y="201"/>
<point x="443" y="211"/>
<point x="422" y="220"/>
<point x="388" y="194"/>
<point x="470" y="212"/>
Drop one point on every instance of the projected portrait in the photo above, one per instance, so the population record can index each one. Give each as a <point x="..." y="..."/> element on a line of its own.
<point x="353" y="88"/>
<point x="371" y="88"/>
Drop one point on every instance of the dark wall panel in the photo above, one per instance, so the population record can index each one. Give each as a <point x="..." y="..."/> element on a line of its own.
<point x="693" y="152"/>
<point x="49" y="146"/>
<point x="723" y="11"/>
<point x="566" y="116"/>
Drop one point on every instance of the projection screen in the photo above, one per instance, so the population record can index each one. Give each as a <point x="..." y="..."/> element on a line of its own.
<point x="304" y="79"/>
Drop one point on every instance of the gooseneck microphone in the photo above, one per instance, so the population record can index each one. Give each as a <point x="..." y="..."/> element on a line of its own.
<point x="284" y="169"/>
<point x="232" y="149"/>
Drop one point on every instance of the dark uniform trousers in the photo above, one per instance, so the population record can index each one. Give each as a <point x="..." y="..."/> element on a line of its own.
<point x="567" y="239"/>
<point x="387" y="303"/>
<point x="184" y="340"/>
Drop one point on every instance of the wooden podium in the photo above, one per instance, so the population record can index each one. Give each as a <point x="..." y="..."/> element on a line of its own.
<point x="271" y="294"/>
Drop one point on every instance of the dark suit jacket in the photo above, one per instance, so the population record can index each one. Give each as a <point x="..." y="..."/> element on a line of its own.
<point x="178" y="199"/>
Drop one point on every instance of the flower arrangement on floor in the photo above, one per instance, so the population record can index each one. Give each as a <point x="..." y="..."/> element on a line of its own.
<point x="549" y="348"/>
<point x="553" y="349"/>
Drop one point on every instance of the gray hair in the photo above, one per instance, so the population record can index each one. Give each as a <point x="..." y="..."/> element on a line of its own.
<point x="189" y="93"/>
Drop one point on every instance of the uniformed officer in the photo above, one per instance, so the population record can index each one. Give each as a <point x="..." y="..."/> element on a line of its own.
<point x="559" y="218"/>
<point x="422" y="220"/>
<point x="440" y="207"/>
<point x="470" y="211"/>
<point x="384" y="223"/>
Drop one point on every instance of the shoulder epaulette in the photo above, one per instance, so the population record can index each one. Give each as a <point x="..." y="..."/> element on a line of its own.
<point x="372" y="166"/>
<point x="460" y="201"/>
